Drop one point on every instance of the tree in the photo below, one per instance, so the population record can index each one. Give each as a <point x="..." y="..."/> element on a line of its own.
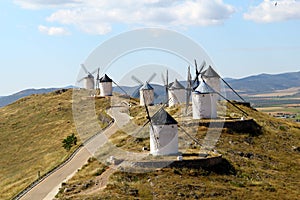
<point x="69" y="141"/>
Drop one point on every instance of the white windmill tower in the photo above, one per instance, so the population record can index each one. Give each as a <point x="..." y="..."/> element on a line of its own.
<point x="88" y="80"/>
<point x="212" y="78"/>
<point x="146" y="95"/>
<point x="163" y="133"/>
<point x="105" y="86"/>
<point x="204" y="102"/>
<point x="176" y="93"/>
<point x="145" y="91"/>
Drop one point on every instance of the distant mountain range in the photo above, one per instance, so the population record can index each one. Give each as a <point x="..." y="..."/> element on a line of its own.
<point x="262" y="83"/>
<point x="265" y="83"/>
<point x="5" y="100"/>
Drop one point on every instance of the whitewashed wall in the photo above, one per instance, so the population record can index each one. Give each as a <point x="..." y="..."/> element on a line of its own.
<point x="176" y="96"/>
<point x="204" y="105"/>
<point x="88" y="83"/>
<point x="167" y="139"/>
<point x="105" y="89"/>
<point x="146" y="97"/>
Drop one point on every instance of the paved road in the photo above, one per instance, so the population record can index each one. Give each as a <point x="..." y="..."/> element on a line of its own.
<point x="48" y="188"/>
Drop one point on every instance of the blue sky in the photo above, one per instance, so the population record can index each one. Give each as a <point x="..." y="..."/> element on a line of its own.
<point x="43" y="42"/>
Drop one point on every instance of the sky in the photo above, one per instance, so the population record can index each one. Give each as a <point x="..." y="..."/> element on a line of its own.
<point x="43" y="42"/>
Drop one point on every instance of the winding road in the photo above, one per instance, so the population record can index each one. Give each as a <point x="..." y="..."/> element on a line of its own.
<point x="49" y="187"/>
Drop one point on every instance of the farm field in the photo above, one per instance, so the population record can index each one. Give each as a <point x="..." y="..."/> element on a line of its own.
<point x="276" y="104"/>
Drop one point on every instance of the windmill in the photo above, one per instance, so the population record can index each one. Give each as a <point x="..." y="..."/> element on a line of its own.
<point x="140" y="83"/>
<point x="176" y="93"/>
<point x="145" y="90"/>
<point x="89" y="82"/>
<point x="192" y="84"/>
<point x="164" y="133"/>
<point x="204" y="102"/>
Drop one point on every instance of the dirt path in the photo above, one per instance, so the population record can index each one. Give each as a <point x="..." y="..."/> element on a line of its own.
<point x="101" y="181"/>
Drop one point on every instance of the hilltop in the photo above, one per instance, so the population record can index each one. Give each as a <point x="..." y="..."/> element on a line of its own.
<point x="256" y="165"/>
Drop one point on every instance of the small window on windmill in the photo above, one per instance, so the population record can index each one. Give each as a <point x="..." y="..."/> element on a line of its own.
<point x="202" y="95"/>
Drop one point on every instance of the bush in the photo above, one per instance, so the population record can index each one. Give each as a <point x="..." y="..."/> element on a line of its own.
<point x="69" y="141"/>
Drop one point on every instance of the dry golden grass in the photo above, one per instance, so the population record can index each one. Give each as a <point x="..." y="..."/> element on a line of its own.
<point x="31" y="134"/>
<point x="32" y="130"/>
<point x="261" y="166"/>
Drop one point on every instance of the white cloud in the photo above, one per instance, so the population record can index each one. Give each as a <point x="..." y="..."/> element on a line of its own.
<point x="53" y="30"/>
<point x="267" y="11"/>
<point x="99" y="17"/>
<point x="39" y="4"/>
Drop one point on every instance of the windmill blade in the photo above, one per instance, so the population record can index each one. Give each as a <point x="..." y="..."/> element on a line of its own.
<point x="148" y="114"/>
<point x="137" y="80"/>
<point x="158" y="110"/>
<point x="151" y="77"/>
<point x="84" y="69"/>
<point x="93" y="72"/>
<point x="136" y="92"/>
<point x="120" y="88"/>
<point x="202" y="66"/>
<point x="188" y="89"/>
<point x="152" y="128"/>
<point x="151" y="125"/>
<point x="187" y="103"/>
<point x="196" y="80"/>
<point x="167" y="78"/>
<point x="175" y="98"/>
<point x="163" y="79"/>
<point x="147" y="122"/>
<point x="198" y="72"/>
<point x="233" y="90"/>
<point x="98" y="73"/>
<point x="166" y="83"/>
<point x="78" y="81"/>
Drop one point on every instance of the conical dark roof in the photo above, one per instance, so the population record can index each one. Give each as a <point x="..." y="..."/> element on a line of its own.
<point x="210" y="72"/>
<point x="163" y="118"/>
<point x="146" y="86"/>
<point x="176" y="85"/>
<point x="105" y="78"/>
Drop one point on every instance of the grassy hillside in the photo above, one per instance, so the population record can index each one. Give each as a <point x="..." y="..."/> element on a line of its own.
<point x="24" y="93"/>
<point x="264" y="166"/>
<point x="31" y="134"/>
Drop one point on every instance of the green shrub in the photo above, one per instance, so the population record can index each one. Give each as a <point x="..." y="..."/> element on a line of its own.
<point x="69" y="141"/>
